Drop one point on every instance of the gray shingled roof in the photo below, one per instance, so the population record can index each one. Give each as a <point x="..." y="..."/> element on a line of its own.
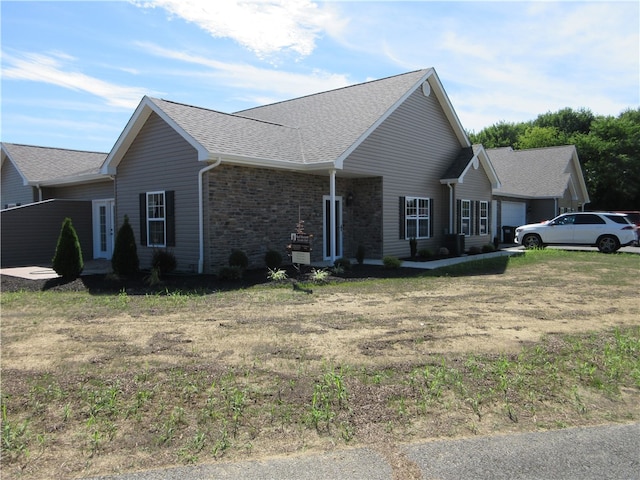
<point x="222" y="133"/>
<point x="331" y="122"/>
<point x="534" y="173"/>
<point x="308" y="130"/>
<point x="46" y="165"/>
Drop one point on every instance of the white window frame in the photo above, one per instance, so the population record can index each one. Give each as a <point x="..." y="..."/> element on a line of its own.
<point x="465" y="204"/>
<point x="153" y="216"/>
<point x="483" y="223"/>
<point x="416" y="212"/>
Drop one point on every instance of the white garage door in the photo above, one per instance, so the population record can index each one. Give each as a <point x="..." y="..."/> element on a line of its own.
<point x="514" y="214"/>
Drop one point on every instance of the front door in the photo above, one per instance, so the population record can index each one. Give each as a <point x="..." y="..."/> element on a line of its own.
<point x="332" y="228"/>
<point x="103" y="224"/>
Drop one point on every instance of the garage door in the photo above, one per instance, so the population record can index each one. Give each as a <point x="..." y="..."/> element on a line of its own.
<point x="514" y="214"/>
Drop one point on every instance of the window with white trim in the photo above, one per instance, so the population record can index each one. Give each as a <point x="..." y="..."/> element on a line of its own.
<point x="417" y="217"/>
<point x="156" y="219"/>
<point x="465" y="217"/>
<point x="484" y="218"/>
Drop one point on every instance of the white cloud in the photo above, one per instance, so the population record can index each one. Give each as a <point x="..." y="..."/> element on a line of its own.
<point x="54" y="69"/>
<point x="279" y="84"/>
<point x="264" y="27"/>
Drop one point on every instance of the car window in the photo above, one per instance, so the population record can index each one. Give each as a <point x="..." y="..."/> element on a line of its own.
<point x="618" y="219"/>
<point x="564" y="220"/>
<point x="589" y="219"/>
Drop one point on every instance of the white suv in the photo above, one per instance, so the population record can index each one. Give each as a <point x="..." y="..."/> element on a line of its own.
<point x="607" y="231"/>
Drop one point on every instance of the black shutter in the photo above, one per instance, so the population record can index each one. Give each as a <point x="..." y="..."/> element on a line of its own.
<point x="170" y="218"/>
<point x="143" y="219"/>
<point x="476" y="219"/>
<point x="402" y="216"/>
<point x="458" y="216"/>
<point x="489" y="218"/>
<point x="431" y="217"/>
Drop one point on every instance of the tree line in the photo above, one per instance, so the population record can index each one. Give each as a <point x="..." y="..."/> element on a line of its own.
<point x="608" y="148"/>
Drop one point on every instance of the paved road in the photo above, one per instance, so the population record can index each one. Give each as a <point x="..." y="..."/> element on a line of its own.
<point x="594" y="453"/>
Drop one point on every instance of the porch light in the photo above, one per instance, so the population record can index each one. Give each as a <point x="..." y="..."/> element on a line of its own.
<point x="349" y="199"/>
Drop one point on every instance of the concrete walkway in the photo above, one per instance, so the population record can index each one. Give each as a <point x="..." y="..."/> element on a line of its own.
<point x="39" y="272"/>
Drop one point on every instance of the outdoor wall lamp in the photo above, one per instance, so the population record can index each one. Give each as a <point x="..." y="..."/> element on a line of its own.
<point x="349" y="199"/>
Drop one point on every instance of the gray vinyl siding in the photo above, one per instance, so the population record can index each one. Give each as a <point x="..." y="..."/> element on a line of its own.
<point x="12" y="188"/>
<point x="476" y="187"/>
<point x="411" y="150"/>
<point x="30" y="233"/>
<point x="159" y="159"/>
<point x="86" y="191"/>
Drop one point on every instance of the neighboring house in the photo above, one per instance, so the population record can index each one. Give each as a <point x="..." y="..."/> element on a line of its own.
<point x="536" y="184"/>
<point x="41" y="186"/>
<point x="373" y="164"/>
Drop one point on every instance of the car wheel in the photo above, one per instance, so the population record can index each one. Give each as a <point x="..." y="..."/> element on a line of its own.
<point x="532" y="241"/>
<point x="608" y="244"/>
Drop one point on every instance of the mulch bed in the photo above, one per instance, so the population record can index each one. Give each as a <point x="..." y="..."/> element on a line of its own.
<point x="139" y="285"/>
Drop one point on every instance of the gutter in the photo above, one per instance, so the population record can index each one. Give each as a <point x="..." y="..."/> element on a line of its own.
<point x="201" y="173"/>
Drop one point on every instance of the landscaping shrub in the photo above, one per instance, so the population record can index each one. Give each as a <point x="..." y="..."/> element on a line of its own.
<point x="360" y="254"/>
<point x="232" y="272"/>
<point x="343" y="263"/>
<point x="443" y="252"/>
<point x="163" y="261"/>
<point x="391" y="262"/>
<point x="125" y="254"/>
<point x="475" y="250"/>
<point x="425" y="253"/>
<point x="413" y="246"/>
<point x="273" y="259"/>
<point x="67" y="260"/>
<point x="488" y="248"/>
<point x="238" y="259"/>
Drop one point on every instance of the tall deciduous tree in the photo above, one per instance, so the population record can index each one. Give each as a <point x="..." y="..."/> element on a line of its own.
<point x="608" y="148"/>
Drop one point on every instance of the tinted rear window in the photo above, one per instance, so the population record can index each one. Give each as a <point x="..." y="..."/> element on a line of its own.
<point x="618" y="219"/>
<point x="588" y="219"/>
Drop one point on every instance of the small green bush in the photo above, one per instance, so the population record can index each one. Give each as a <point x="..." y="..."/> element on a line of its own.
<point x="425" y="253"/>
<point x="163" y="261"/>
<point x="443" y="252"/>
<point x="277" y="275"/>
<point x="67" y="260"/>
<point x="273" y="259"/>
<point x="391" y="262"/>
<point x="360" y="254"/>
<point x="413" y="247"/>
<point x="344" y="263"/>
<point x="488" y="248"/>
<point x="238" y="259"/>
<point x="232" y="272"/>
<point x="475" y="250"/>
<point x="124" y="260"/>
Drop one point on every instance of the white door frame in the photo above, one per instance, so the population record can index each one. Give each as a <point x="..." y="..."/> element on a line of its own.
<point x="331" y="228"/>
<point x="103" y="227"/>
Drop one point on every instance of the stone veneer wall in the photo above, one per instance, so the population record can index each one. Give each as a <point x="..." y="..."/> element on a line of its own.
<point x="256" y="210"/>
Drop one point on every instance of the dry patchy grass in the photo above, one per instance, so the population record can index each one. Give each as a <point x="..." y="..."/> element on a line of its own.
<point x="99" y="384"/>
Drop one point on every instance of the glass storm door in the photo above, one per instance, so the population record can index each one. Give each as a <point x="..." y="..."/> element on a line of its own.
<point x="332" y="227"/>
<point x="103" y="235"/>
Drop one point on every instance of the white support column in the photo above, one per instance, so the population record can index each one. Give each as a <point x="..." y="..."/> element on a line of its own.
<point x="332" y="213"/>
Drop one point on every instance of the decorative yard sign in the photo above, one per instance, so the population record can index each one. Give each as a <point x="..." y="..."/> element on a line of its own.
<point x="300" y="247"/>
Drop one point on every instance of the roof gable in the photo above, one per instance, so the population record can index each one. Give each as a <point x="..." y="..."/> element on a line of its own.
<point x="315" y="131"/>
<point x="53" y="166"/>
<point x="470" y="157"/>
<point x="538" y="172"/>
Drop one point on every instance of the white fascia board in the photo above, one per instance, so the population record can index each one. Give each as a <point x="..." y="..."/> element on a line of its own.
<point x="581" y="181"/>
<point x="72" y="180"/>
<point x="449" y="111"/>
<point x="133" y="127"/>
<point x="272" y="163"/>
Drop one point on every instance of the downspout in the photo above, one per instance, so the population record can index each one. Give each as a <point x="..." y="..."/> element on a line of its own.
<point x="201" y="173"/>
<point x="451" y="208"/>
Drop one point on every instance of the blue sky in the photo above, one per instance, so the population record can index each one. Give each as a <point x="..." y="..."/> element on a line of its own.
<point x="74" y="71"/>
